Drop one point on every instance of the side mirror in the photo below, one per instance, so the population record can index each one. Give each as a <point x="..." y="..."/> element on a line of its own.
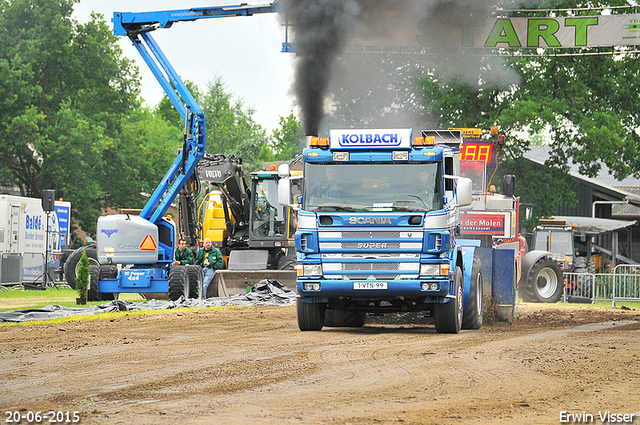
<point x="528" y="213"/>
<point x="284" y="190"/>
<point x="509" y="185"/>
<point x="464" y="192"/>
<point x="283" y="170"/>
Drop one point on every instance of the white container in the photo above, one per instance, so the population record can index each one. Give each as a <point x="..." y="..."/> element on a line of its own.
<point x="127" y="239"/>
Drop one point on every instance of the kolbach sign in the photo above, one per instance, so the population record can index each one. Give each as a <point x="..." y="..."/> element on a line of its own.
<point x="515" y="33"/>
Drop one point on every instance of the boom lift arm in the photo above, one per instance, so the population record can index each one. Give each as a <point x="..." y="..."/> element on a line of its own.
<point x="146" y="243"/>
<point x="138" y="26"/>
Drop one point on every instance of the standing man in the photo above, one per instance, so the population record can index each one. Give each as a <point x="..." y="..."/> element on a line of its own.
<point x="210" y="259"/>
<point x="183" y="255"/>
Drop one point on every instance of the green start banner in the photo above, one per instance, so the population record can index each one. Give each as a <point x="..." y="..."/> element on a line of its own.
<point x="509" y="33"/>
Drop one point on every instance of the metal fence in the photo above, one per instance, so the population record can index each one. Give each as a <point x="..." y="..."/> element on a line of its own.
<point x="10" y="268"/>
<point x="626" y="284"/>
<point x="18" y="268"/>
<point x="621" y="285"/>
<point x="579" y="285"/>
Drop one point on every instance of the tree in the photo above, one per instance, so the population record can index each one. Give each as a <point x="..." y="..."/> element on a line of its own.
<point x="231" y="129"/>
<point x="287" y="141"/>
<point x="82" y="281"/>
<point x="165" y="109"/>
<point x="588" y="105"/>
<point x="70" y="114"/>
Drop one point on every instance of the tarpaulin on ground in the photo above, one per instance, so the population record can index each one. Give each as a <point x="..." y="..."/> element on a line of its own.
<point x="266" y="292"/>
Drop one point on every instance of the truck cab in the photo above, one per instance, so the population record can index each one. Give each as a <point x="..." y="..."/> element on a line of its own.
<point x="377" y="229"/>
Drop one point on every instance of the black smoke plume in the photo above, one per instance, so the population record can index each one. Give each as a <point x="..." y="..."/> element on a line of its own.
<point x="321" y="28"/>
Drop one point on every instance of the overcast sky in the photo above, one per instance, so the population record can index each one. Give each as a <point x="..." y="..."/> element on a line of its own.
<point x="244" y="51"/>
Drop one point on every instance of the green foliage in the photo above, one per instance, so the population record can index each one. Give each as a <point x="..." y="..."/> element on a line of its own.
<point x="586" y="108"/>
<point x="231" y="129"/>
<point x="165" y="109"/>
<point x="66" y="95"/>
<point x="82" y="280"/>
<point x="287" y="141"/>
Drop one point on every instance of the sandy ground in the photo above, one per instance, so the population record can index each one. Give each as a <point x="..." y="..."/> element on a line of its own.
<point x="253" y="365"/>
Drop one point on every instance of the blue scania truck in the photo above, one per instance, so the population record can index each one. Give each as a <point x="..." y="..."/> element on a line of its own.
<point x="378" y="224"/>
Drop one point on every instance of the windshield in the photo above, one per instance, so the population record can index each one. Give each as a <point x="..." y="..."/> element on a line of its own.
<point x="373" y="187"/>
<point x="269" y="217"/>
<point x="561" y="242"/>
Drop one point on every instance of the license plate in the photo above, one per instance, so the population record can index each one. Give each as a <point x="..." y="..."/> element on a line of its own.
<point x="369" y="285"/>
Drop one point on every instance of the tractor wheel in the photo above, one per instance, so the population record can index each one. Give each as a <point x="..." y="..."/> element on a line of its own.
<point x="73" y="263"/>
<point x="448" y="316"/>
<point x="545" y="282"/>
<point x="287" y="262"/>
<point x="178" y="283"/>
<point x="344" y="318"/>
<point x="108" y="272"/>
<point x="472" y="318"/>
<point x="310" y="315"/>
<point x="195" y="281"/>
<point x="92" y="290"/>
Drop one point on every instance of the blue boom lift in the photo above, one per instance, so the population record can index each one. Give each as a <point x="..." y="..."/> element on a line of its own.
<point x="144" y="245"/>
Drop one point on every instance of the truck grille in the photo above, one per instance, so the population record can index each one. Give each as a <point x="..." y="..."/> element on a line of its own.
<point x="371" y="235"/>
<point x="378" y="254"/>
<point x="370" y="266"/>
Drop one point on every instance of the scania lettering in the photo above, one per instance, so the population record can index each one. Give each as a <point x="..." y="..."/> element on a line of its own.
<point x="377" y="231"/>
<point x="369" y="220"/>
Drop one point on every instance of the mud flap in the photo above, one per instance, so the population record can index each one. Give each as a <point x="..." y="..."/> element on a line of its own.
<point x="499" y="275"/>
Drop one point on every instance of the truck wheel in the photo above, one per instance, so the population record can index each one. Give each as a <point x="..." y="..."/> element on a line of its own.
<point x="195" y="281"/>
<point x="448" y="316"/>
<point x="73" y="262"/>
<point x="545" y="282"/>
<point x="344" y="318"/>
<point x="472" y="318"/>
<point x="288" y="262"/>
<point x="310" y="315"/>
<point x="178" y="283"/>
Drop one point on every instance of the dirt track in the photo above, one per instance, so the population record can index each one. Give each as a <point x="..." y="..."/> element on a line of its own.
<point x="252" y="365"/>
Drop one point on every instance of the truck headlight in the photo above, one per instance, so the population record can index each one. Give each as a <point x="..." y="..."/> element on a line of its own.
<point x="311" y="270"/>
<point x="434" y="269"/>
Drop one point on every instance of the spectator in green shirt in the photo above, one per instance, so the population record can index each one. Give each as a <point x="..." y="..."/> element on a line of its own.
<point x="183" y="255"/>
<point x="210" y="259"/>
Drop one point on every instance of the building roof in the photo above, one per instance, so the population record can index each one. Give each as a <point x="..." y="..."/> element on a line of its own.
<point x="592" y="226"/>
<point x="625" y="189"/>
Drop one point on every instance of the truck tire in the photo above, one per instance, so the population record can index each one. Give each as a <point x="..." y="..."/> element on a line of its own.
<point x="472" y="318"/>
<point x="344" y="318"/>
<point x="448" y="316"/>
<point x="545" y="282"/>
<point x="73" y="262"/>
<point x="310" y="315"/>
<point x="178" y="283"/>
<point x="195" y="281"/>
<point x="287" y="262"/>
